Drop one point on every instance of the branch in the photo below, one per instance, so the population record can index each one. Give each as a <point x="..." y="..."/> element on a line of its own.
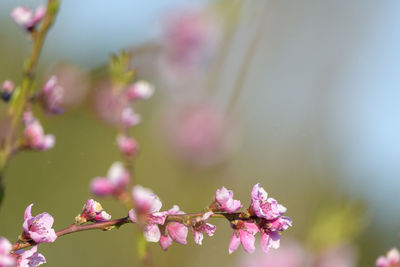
<point x="108" y="225"/>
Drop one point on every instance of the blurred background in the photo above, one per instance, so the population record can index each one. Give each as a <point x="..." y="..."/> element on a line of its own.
<point x="301" y="96"/>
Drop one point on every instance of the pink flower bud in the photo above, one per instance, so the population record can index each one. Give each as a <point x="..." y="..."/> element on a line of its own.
<point x="225" y="201"/>
<point x="52" y="96"/>
<point x="140" y="90"/>
<point x="30" y="258"/>
<point x="26" y="18"/>
<point x="116" y="181"/>
<point x="127" y="145"/>
<point x="7" y="90"/>
<point x="6" y="260"/>
<point x="38" y="228"/>
<point x="129" y="118"/>
<point x="92" y="212"/>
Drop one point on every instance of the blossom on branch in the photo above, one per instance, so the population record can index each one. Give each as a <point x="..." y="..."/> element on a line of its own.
<point x="225" y="202"/>
<point x="38" y="228"/>
<point x="92" y="212"/>
<point x="30" y="258"/>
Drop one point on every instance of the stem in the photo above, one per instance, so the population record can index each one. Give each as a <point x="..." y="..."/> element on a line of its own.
<point x="25" y="90"/>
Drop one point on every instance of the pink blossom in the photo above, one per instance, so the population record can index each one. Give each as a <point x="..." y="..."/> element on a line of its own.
<point x="116" y="181"/>
<point x="26" y="18"/>
<point x="392" y="259"/>
<point x="34" y="137"/>
<point x="244" y="233"/>
<point x="52" y="96"/>
<point x="30" y="258"/>
<point x="129" y="118"/>
<point x="140" y="90"/>
<point x="225" y="202"/>
<point x="173" y="231"/>
<point x="199" y="133"/>
<point x="263" y="206"/>
<point x="127" y="145"/>
<point x="38" y="228"/>
<point x="145" y="200"/>
<point x="205" y="228"/>
<point x="92" y="212"/>
<point x="7" y="90"/>
<point x="6" y="260"/>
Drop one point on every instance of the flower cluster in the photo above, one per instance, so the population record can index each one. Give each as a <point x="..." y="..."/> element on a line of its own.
<point x="264" y="216"/>
<point x="392" y="259"/>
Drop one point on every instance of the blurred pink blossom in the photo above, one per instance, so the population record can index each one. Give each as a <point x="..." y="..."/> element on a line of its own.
<point x="190" y="38"/>
<point x="74" y="82"/>
<point x="127" y="145"/>
<point x="199" y="133"/>
<point x="52" y="96"/>
<point x="114" y="183"/>
<point x="6" y="259"/>
<point x="139" y="90"/>
<point x="290" y="254"/>
<point x="34" y="137"/>
<point x="391" y="259"/>
<point x="26" y="18"/>
<point x="7" y="89"/>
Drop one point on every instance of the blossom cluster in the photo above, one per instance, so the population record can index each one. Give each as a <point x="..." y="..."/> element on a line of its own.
<point x="264" y="216"/>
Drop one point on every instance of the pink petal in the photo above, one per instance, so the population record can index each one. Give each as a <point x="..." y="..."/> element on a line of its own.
<point x="165" y="242"/>
<point x="28" y="212"/>
<point x="247" y="240"/>
<point x="132" y="215"/>
<point x="234" y="244"/>
<point x="198" y="237"/>
<point x="152" y="233"/>
<point x="178" y="232"/>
